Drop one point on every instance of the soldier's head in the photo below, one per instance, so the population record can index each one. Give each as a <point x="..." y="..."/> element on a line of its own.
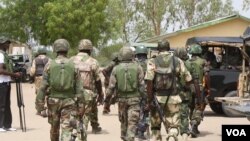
<point x="85" y="45"/>
<point x="195" y="50"/>
<point x="4" y="43"/>
<point x="126" y="54"/>
<point x="42" y="51"/>
<point x="163" y="46"/>
<point x="181" y="53"/>
<point x="141" y="53"/>
<point x="61" y="46"/>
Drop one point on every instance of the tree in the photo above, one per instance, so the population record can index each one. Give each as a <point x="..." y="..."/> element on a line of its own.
<point x="146" y="18"/>
<point x="47" y="20"/>
<point x="246" y="5"/>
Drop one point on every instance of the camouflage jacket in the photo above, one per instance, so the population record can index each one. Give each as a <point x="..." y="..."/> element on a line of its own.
<point x="95" y="71"/>
<point x="181" y="72"/>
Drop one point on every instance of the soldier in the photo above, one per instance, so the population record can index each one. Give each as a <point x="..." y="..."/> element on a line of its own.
<point x="37" y="67"/>
<point x="6" y="72"/>
<point x="162" y="73"/>
<point x="141" y="53"/>
<point x="127" y="79"/>
<point x="199" y="70"/>
<point x="90" y="74"/>
<point x="185" y="97"/>
<point x="62" y="80"/>
<point x="107" y="72"/>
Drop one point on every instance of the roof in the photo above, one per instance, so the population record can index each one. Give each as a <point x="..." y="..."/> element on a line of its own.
<point x="214" y="39"/>
<point x="196" y="27"/>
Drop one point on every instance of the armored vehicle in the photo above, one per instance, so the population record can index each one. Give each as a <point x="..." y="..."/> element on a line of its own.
<point x="224" y="54"/>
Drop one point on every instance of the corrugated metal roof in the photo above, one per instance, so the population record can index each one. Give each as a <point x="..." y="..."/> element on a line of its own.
<point x="195" y="27"/>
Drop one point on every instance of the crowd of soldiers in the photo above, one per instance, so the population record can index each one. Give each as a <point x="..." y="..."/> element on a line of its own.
<point x="168" y="89"/>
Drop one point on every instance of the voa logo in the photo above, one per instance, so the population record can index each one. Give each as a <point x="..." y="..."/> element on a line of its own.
<point x="236" y="132"/>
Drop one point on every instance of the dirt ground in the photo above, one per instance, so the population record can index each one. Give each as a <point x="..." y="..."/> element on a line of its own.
<point x="38" y="128"/>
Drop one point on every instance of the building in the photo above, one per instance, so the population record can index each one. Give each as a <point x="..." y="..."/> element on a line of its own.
<point x="231" y="26"/>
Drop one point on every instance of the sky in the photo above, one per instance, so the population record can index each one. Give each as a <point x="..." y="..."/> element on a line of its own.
<point x="237" y="4"/>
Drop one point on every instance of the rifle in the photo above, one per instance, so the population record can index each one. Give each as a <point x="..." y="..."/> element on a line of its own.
<point x="20" y="105"/>
<point x="80" y="127"/>
<point x="143" y="124"/>
<point x="161" y="113"/>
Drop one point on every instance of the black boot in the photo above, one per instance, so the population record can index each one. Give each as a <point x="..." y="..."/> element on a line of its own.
<point x="96" y="129"/>
<point x="194" y="129"/>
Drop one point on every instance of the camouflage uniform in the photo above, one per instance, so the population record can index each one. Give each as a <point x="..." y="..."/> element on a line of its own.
<point x="186" y="97"/>
<point x="37" y="68"/>
<point x="143" y="125"/>
<point x="172" y="107"/>
<point x="198" y="68"/>
<point x="128" y="102"/>
<point x="84" y="61"/>
<point x="61" y="106"/>
<point x="107" y="72"/>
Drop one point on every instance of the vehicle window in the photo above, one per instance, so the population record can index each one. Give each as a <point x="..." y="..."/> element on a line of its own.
<point x="17" y="58"/>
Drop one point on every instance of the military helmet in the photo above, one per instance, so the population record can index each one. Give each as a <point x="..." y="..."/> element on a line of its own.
<point x="41" y="51"/>
<point x="126" y="53"/>
<point x="181" y="53"/>
<point x="61" y="45"/>
<point x="195" y="49"/>
<point x="141" y="50"/>
<point x="4" y="40"/>
<point x="85" y="44"/>
<point x="164" y="45"/>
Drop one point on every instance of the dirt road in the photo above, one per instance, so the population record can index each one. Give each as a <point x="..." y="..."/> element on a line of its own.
<point x="38" y="128"/>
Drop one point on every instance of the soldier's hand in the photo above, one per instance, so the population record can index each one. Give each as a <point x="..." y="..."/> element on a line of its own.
<point x="42" y="113"/>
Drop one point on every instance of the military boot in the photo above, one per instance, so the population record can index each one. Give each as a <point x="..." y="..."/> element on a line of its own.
<point x="194" y="129"/>
<point x="96" y="129"/>
<point x="106" y="109"/>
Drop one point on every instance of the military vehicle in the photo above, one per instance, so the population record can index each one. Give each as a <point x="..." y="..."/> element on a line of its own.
<point x="241" y="102"/>
<point x="225" y="57"/>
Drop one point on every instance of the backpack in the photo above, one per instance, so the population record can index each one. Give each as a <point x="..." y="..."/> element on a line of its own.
<point x="126" y="75"/>
<point x="62" y="76"/>
<point x="86" y="74"/>
<point x="165" y="75"/>
<point x="40" y="64"/>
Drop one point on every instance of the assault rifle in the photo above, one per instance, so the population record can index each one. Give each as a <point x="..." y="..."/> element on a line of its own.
<point x="20" y="105"/>
<point x="161" y="113"/>
<point x="79" y="125"/>
<point x="143" y="124"/>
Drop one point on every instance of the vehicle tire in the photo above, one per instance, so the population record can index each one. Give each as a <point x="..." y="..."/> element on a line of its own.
<point x="216" y="107"/>
<point x="225" y="107"/>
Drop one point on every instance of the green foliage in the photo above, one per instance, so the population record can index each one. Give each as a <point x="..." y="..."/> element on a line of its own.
<point x="48" y="20"/>
<point x="105" y="54"/>
<point x="246" y="5"/>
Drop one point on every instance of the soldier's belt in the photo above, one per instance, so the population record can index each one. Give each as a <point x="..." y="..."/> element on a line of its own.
<point x="166" y="93"/>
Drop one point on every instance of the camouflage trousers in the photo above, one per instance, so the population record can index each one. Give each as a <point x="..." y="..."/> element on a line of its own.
<point x="172" y="117"/>
<point x="129" y="112"/>
<point x="184" y="117"/>
<point x="198" y="113"/>
<point x="91" y="114"/>
<point x="38" y="81"/>
<point x="60" y="113"/>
